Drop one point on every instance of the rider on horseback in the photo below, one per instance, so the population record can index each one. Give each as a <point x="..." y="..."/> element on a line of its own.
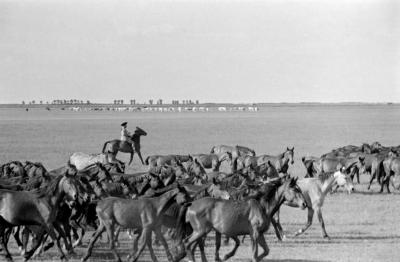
<point x="126" y="135"/>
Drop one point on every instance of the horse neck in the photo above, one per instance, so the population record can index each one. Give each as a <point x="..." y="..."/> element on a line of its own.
<point x="328" y="184"/>
<point x="164" y="201"/>
<point x="272" y="205"/>
<point x="55" y="198"/>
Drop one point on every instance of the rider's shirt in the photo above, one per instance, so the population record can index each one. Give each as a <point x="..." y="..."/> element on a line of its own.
<point x="125" y="135"/>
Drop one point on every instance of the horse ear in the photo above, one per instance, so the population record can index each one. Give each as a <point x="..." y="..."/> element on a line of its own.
<point x="269" y="163"/>
<point x="214" y="181"/>
<point x="292" y="149"/>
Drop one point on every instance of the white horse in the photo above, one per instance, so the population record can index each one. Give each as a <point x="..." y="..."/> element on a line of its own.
<point x="83" y="160"/>
<point x="315" y="191"/>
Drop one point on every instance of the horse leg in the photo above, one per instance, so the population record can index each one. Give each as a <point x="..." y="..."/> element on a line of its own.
<point x="140" y="156"/>
<point x="50" y="229"/>
<point x="17" y="238"/>
<point x="217" y="245"/>
<point x="254" y="245"/>
<point x="3" y="242"/>
<point x="309" y="222"/>
<point x="96" y="235"/>
<point x="25" y="240"/>
<point x="230" y="254"/>
<point x="226" y="241"/>
<point x="135" y="244"/>
<point x="163" y="242"/>
<point x="192" y="240"/>
<point x="371" y="179"/>
<point x="277" y="226"/>
<point x="151" y="251"/>
<point x="202" y="250"/>
<point x="64" y="233"/>
<point x="110" y="232"/>
<point x="116" y="235"/>
<point x="263" y="244"/>
<point x="321" y="221"/>
<point x="145" y="236"/>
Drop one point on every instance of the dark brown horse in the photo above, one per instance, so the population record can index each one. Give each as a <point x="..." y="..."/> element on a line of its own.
<point x="25" y="208"/>
<point x="116" y="145"/>
<point x="143" y="214"/>
<point x="213" y="161"/>
<point x="233" y="218"/>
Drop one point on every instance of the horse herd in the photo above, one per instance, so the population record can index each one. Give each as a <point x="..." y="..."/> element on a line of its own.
<point x="182" y="197"/>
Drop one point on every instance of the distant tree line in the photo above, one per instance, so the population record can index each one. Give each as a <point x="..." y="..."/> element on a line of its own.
<point x="158" y="102"/>
<point x="69" y="102"/>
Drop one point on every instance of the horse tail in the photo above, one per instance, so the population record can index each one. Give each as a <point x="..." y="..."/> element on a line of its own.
<point x="379" y="173"/>
<point x="104" y="146"/>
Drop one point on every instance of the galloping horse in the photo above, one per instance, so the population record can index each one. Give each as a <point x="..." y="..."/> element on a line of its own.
<point x="315" y="191"/>
<point x="233" y="218"/>
<point x="143" y="214"/>
<point x="281" y="161"/>
<point x="213" y="161"/>
<point x="116" y="145"/>
<point x="25" y="208"/>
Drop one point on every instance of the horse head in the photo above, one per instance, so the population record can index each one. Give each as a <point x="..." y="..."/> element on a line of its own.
<point x="140" y="132"/>
<point x="69" y="186"/>
<point x="290" y="154"/>
<point x="292" y="194"/>
<point x="342" y="179"/>
<point x="215" y="190"/>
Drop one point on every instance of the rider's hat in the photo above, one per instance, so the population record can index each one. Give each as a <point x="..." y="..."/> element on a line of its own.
<point x="124" y="123"/>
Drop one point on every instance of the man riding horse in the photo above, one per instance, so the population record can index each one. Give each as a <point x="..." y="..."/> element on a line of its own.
<point x="126" y="135"/>
<point x="127" y="144"/>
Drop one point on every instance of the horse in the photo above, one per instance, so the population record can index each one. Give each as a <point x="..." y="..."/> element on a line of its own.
<point x="315" y="191"/>
<point x="116" y="145"/>
<point x="160" y="160"/>
<point x="34" y="169"/>
<point x="251" y="216"/>
<point x="213" y="161"/>
<point x="196" y="173"/>
<point x="236" y="151"/>
<point x="143" y="214"/>
<point x="96" y="172"/>
<point x="391" y="166"/>
<point x="82" y="160"/>
<point x="35" y="209"/>
<point x="281" y="161"/>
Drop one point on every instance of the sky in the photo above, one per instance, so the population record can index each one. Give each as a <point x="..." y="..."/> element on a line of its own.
<point x="213" y="51"/>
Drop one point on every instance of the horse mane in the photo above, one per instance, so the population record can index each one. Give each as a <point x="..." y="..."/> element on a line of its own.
<point x="50" y="188"/>
<point x="165" y="189"/>
<point x="266" y="191"/>
<point x="88" y="168"/>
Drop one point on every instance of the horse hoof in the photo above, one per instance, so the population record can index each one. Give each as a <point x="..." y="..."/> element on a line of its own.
<point x="327" y="237"/>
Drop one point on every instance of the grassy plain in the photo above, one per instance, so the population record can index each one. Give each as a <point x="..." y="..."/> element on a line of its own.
<point x="363" y="226"/>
